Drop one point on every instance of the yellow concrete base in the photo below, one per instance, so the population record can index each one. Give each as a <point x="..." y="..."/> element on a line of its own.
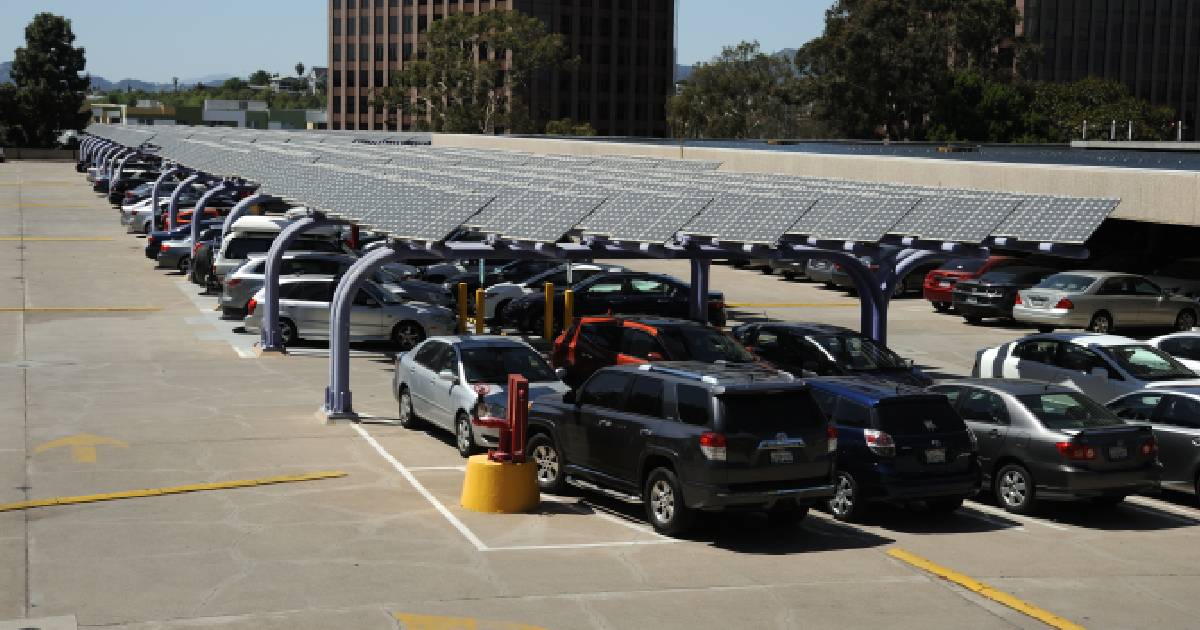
<point x="500" y="488"/>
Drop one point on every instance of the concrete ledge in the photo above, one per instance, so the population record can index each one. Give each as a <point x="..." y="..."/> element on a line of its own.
<point x="326" y="417"/>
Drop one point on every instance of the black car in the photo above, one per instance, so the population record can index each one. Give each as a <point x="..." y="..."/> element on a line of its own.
<point x="687" y="436"/>
<point x="201" y="270"/>
<point x="613" y="293"/>
<point x="897" y="444"/>
<point x="824" y="350"/>
<point x="117" y="196"/>
<point x="157" y="238"/>
<point x="993" y="293"/>
<point x="495" y="272"/>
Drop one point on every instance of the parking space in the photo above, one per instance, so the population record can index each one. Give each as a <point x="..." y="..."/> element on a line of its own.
<point x="172" y="395"/>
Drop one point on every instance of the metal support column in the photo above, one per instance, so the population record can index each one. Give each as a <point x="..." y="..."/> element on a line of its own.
<point x="112" y="183"/>
<point x="167" y="174"/>
<point x="698" y="300"/>
<point x="240" y="211"/>
<point x="892" y="271"/>
<point x="872" y="309"/>
<point x="173" y="207"/>
<point x="338" y="404"/>
<point x="198" y="213"/>
<point x="270" y="339"/>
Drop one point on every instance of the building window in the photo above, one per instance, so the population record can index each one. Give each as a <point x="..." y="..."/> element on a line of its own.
<point x="337" y="4"/>
<point x="337" y="105"/>
<point x="337" y="78"/>
<point x="363" y="25"/>
<point x="363" y="52"/>
<point x="422" y="23"/>
<point x="393" y="3"/>
<point x="350" y="27"/>
<point x="363" y="4"/>
<point x="408" y="50"/>
<point x="393" y="23"/>
<point x="379" y="25"/>
<point x="378" y="4"/>
<point x="349" y="78"/>
<point x="363" y="77"/>
<point x="337" y="52"/>
<point x="378" y="52"/>
<point x="379" y="78"/>
<point x="408" y="23"/>
<point x="349" y="52"/>
<point x="350" y="105"/>
<point x="337" y="26"/>
<point x="392" y="52"/>
<point x="362" y="104"/>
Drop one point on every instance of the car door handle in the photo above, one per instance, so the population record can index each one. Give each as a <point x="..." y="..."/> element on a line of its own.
<point x="645" y="433"/>
<point x="604" y="423"/>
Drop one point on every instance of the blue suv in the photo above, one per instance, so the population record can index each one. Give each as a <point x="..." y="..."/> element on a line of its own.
<point x="896" y="443"/>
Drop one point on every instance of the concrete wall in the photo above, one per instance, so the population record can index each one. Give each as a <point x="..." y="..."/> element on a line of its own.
<point x="1153" y="195"/>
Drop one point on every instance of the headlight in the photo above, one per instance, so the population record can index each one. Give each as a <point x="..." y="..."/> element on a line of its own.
<point x="485" y="409"/>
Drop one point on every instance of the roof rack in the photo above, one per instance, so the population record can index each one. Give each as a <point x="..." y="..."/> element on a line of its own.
<point x="647" y="367"/>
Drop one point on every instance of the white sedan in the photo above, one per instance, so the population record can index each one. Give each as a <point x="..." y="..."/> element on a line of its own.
<point x="1184" y="346"/>
<point x="1101" y="366"/>
<point x="497" y="296"/>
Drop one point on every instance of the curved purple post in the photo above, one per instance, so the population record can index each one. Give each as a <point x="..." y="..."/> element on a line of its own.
<point x="198" y="212"/>
<point x="873" y="308"/>
<point x="338" y="404"/>
<point x="112" y="183"/>
<point x="270" y="338"/>
<point x="173" y="207"/>
<point x="698" y="300"/>
<point x="167" y="174"/>
<point x="894" y="271"/>
<point x="239" y="211"/>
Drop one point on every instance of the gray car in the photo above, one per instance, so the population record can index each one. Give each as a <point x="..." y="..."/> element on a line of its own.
<point x="1047" y="442"/>
<point x="1174" y="414"/>
<point x="442" y="380"/>
<point x="820" y="270"/>
<point x="790" y="269"/>
<point x="1102" y="301"/>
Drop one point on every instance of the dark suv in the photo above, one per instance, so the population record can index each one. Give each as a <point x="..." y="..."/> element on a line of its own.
<point x="686" y="436"/>
<point x="897" y="444"/>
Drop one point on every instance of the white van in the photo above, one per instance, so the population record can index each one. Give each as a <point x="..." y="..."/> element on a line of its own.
<point x="254" y="235"/>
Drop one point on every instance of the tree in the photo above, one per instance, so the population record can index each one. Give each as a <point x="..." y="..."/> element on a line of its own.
<point x="175" y="82"/>
<point x="472" y="72"/>
<point x="568" y="127"/>
<point x="299" y="68"/>
<point x="235" y="84"/>
<point x="880" y="65"/>
<point x="259" y="77"/>
<point x="48" y="91"/>
<point x="743" y="93"/>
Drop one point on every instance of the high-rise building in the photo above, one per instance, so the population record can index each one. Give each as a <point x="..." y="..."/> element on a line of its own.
<point x="1152" y="46"/>
<point x="626" y="50"/>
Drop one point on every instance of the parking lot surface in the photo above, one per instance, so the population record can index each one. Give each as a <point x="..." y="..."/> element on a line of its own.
<point x="115" y="376"/>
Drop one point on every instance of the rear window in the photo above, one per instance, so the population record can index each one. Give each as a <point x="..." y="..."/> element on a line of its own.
<point x="1066" y="282"/>
<point x="765" y="413"/>
<point x="704" y="344"/>
<point x="906" y="417"/>
<point x="969" y="265"/>
<point x="1019" y="275"/>
<point x="241" y="247"/>
<point x="1068" y="410"/>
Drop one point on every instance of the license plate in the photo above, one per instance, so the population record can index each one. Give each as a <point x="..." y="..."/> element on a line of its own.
<point x="781" y="457"/>
<point x="1118" y="452"/>
<point x="972" y="300"/>
<point x="944" y="284"/>
<point x="935" y="455"/>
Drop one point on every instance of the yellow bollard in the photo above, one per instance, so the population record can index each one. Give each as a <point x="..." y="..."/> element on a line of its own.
<point x="568" y="308"/>
<point x="499" y="488"/>
<point x="480" y="312"/>
<point x="548" y="324"/>
<point x="462" y="308"/>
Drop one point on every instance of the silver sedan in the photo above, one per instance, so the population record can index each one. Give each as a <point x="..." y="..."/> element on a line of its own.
<point x="1101" y="301"/>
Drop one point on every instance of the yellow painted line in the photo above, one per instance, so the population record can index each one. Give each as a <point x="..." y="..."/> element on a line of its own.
<point x="979" y="588"/>
<point x="80" y="309"/>
<point x="158" y="492"/>
<point x="438" y="622"/>
<point x="83" y="446"/>
<point x="54" y="239"/>
<point x="792" y="304"/>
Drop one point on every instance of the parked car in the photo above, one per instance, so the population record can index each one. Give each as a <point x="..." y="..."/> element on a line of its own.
<point x="825" y="350"/>
<point x="613" y="293"/>
<point x="790" y="269"/>
<point x="439" y="273"/>
<point x="497" y="296"/>
<point x="175" y="254"/>
<point x="1183" y="346"/>
<point x="1039" y="441"/>
<point x="1174" y="414"/>
<point x="595" y="342"/>
<point x="938" y="284"/>
<point x="304" y="308"/>
<point x="909" y="284"/>
<point x="993" y="294"/>
<point x="684" y="437"/>
<point x="1181" y="277"/>
<point x="1101" y="366"/>
<point x="254" y="235"/>
<point x="437" y="383"/>
<point x="154" y="240"/>
<point x="1101" y="301"/>
<point x="896" y="444"/>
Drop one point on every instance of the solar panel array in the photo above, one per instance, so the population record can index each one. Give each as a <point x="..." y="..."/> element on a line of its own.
<point x="398" y="184"/>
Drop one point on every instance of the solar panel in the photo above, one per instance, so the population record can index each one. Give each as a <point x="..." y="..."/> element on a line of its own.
<point x="643" y="217"/>
<point x="1056" y="219"/>
<point x="748" y="218"/>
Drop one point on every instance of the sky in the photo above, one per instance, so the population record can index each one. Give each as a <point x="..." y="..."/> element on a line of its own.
<point x="154" y="40"/>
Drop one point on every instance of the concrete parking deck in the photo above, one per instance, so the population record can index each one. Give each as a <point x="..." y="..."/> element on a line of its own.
<point x="96" y="343"/>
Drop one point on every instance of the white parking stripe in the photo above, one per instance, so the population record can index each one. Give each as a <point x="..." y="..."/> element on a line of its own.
<point x="613" y="517"/>
<point x="627" y="543"/>
<point x="1158" y="512"/>
<point x="1166" y="506"/>
<point x="1017" y="517"/>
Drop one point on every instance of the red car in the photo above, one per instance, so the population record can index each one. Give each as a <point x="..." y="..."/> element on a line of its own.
<point x="939" y="283"/>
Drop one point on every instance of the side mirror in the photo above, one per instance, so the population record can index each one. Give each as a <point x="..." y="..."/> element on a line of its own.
<point x="1099" y="373"/>
<point x="569" y="397"/>
<point x="561" y="373"/>
<point x="448" y="376"/>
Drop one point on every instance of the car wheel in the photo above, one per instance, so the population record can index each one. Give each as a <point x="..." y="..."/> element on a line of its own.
<point x="544" y="454"/>
<point x="408" y="417"/>
<point x="287" y="332"/>
<point x="973" y="319"/>
<point x="846" y="504"/>
<point x="786" y="513"/>
<point x="943" y="506"/>
<point x="1101" y="323"/>
<point x="407" y="334"/>
<point x="1014" y="489"/>
<point x="1186" y="321"/>
<point x="183" y="264"/>
<point x="464" y="437"/>
<point x="789" y="275"/>
<point x="941" y="307"/>
<point x="664" y="503"/>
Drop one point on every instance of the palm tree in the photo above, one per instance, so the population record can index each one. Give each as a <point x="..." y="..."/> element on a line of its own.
<point x="300" y="69"/>
<point x="175" y="82"/>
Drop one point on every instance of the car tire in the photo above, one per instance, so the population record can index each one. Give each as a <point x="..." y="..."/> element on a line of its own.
<point x="543" y="452"/>
<point x="407" y="334"/>
<point x="846" y="504"/>
<point x="1185" y="321"/>
<point x="941" y="307"/>
<point x="464" y="436"/>
<point x="1014" y="489"/>
<point x="288" y="334"/>
<point x="943" y="506"/>
<point x="1101" y="322"/>
<point x="789" y="275"/>
<point x="665" y="508"/>
<point x="786" y="514"/>
<point x="408" y="417"/>
<point x="183" y="264"/>
<point x="973" y="320"/>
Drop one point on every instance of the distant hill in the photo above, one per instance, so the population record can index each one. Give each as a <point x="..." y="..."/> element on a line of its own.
<point x="102" y="84"/>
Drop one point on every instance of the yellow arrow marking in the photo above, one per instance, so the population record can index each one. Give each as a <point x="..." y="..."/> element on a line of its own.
<point x="83" y="446"/>
<point x="436" y="622"/>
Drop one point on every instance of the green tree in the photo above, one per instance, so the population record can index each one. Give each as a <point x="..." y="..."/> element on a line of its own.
<point x="235" y="84"/>
<point x="259" y="77"/>
<point x="472" y="71"/>
<point x="568" y="127"/>
<point x="743" y="93"/>
<point x="48" y="91"/>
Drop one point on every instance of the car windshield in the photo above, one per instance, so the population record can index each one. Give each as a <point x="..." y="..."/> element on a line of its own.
<point x="969" y="265"/>
<point x="1066" y="282"/>
<point x="704" y="344"/>
<point x="1148" y="363"/>
<point x="1068" y="410"/>
<point x="858" y="353"/>
<point x="493" y="364"/>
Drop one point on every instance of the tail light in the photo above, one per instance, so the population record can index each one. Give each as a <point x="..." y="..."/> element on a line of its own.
<point x="880" y="443"/>
<point x="164" y="247"/>
<point x="1150" y="448"/>
<point x="233" y="282"/>
<point x="713" y="446"/>
<point x="195" y="248"/>
<point x="831" y="434"/>
<point x="1017" y="301"/>
<point x="251" y="305"/>
<point x="1065" y="304"/>
<point x="837" y="267"/>
<point x="1076" y="452"/>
